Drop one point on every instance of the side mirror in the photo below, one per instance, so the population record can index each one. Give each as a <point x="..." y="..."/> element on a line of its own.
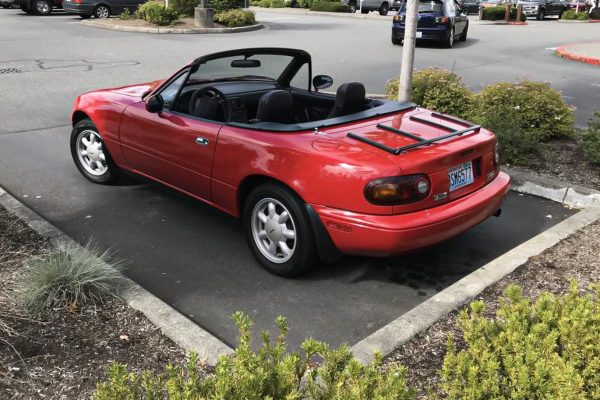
<point x="322" y="82"/>
<point x="155" y="104"/>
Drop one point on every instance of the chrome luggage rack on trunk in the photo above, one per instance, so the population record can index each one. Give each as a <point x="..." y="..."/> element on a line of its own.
<point x="420" y="141"/>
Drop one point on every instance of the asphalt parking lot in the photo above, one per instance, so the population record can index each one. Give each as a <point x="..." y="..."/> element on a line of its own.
<point x="194" y="257"/>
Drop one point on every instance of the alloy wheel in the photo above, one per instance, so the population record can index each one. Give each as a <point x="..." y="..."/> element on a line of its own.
<point x="102" y="12"/>
<point x="273" y="230"/>
<point x="42" y="7"/>
<point x="90" y="152"/>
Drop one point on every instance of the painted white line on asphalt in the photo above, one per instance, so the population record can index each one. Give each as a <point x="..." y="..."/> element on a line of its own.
<point x="551" y="48"/>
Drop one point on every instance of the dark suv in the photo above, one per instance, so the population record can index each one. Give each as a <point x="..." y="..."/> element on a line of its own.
<point x="39" y="7"/>
<point x="542" y="8"/>
<point x="439" y="20"/>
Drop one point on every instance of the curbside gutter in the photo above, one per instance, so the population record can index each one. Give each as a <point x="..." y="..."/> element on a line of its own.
<point x="564" y="52"/>
<point x="164" y="30"/>
<point x="185" y="333"/>
<point x="404" y="328"/>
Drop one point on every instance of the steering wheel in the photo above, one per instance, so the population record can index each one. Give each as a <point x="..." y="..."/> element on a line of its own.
<point x="214" y="94"/>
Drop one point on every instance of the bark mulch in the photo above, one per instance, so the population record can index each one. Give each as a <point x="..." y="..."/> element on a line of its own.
<point x="577" y="256"/>
<point x="64" y="356"/>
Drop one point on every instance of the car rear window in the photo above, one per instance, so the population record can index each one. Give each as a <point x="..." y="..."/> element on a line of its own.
<point x="428" y="6"/>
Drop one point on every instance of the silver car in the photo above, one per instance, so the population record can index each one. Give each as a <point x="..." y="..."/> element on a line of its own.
<point x="383" y="6"/>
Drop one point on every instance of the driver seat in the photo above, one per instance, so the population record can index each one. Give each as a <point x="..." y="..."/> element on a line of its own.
<point x="275" y="106"/>
<point x="349" y="99"/>
<point x="204" y="107"/>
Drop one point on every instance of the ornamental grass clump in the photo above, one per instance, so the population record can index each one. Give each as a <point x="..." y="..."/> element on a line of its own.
<point x="71" y="278"/>
<point x="269" y="373"/>
<point x="543" y="350"/>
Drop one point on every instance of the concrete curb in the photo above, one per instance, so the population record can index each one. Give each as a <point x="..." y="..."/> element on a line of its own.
<point x="574" y="21"/>
<point x="564" y="53"/>
<point x="173" y="324"/>
<point x="404" y="328"/>
<point x="165" y="30"/>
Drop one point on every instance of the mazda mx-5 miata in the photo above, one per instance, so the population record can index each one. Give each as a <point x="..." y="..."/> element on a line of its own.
<point x="312" y="175"/>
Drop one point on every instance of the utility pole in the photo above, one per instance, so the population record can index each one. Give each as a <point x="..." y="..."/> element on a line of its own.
<point x="408" y="51"/>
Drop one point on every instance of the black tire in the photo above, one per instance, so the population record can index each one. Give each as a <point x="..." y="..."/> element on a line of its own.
<point x="463" y="37"/>
<point x="364" y="11"/>
<point x="304" y="256"/>
<point x="396" y="41"/>
<point x="540" y="15"/>
<point x="449" y="41"/>
<point x="41" y="7"/>
<point x="352" y="6"/>
<point x="112" y="172"/>
<point x="384" y="8"/>
<point x="102" y="11"/>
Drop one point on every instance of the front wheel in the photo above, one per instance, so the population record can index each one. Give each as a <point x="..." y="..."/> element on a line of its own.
<point x="463" y="37"/>
<point x="278" y="230"/>
<point x="396" y="41"/>
<point x="91" y="155"/>
<point x="540" y="15"/>
<point x="384" y="8"/>
<point x="364" y="11"/>
<point x="102" y="11"/>
<point x="352" y="6"/>
<point x="42" y="7"/>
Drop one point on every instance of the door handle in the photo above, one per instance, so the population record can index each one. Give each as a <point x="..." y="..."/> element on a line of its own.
<point x="202" y="141"/>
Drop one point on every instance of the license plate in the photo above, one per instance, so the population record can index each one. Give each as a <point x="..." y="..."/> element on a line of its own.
<point x="419" y="35"/>
<point x="460" y="176"/>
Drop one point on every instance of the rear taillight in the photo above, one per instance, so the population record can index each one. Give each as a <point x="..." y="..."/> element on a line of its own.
<point x="442" y="20"/>
<point x="398" y="18"/>
<point x="398" y="189"/>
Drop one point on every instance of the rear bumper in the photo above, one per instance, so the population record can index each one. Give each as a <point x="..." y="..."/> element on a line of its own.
<point x="81" y="9"/>
<point x="386" y="235"/>
<point x="437" y="34"/>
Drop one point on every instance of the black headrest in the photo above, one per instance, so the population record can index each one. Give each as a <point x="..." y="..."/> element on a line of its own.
<point x="275" y="106"/>
<point x="349" y="99"/>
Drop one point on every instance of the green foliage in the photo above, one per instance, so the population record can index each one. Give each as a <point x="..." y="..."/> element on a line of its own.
<point x="305" y="3"/>
<point x="126" y="15"/>
<point x="540" y="110"/>
<point x="516" y="146"/>
<point x="156" y="13"/>
<point x="269" y="373"/>
<point x="592" y="139"/>
<point x="497" y="13"/>
<point x="329" y="6"/>
<point x="582" y="15"/>
<point x="264" y="3"/>
<point x="440" y="90"/>
<point x="545" y="350"/>
<point x="233" y="18"/>
<point x="184" y="7"/>
<point x="73" y="277"/>
<point x="278" y="4"/>
<point x="225" y="5"/>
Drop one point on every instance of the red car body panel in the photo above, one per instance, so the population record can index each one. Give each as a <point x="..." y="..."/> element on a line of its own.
<point x="327" y="169"/>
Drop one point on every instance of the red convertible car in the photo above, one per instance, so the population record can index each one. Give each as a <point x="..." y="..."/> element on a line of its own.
<point x="312" y="175"/>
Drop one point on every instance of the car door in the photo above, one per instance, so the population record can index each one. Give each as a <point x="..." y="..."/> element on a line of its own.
<point x="170" y="147"/>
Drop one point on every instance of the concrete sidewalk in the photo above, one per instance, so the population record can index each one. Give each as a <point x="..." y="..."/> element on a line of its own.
<point x="587" y="52"/>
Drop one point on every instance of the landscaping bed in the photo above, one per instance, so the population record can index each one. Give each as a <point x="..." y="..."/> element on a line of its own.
<point x="65" y="354"/>
<point x="550" y="271"/>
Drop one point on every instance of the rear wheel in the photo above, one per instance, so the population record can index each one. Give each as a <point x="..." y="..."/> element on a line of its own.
<point x="364" y="11"/>
<point x="91" y="155"/>
<point x="540" y="15"/>
<point x="463" y="37"/>
<point x="102" y="11"/>
<point x="42" y="7"/>
<point x="352" y="6"/>
<point x="449" y="41"/>
<point x="384" y="8"/>
<point x="278" y="230"/>
<point x="396" y="41"/>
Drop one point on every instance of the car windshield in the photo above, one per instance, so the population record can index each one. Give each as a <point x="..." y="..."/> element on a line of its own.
<point x="428" y="6"/>
<point x="239" y="67"/>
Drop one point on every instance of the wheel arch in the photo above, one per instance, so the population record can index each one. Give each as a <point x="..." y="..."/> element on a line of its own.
<point x="105" y="5"/>
<point x="79" y="116"/>
<point x="250" y="182"/>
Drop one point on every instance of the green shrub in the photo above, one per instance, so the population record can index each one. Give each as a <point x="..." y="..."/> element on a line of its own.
<point x="184" y="7"/>
<point x="545" y="350"/>
<point x="574" y="15"/>
<point x="329" y="6"/>
<point x="225" y="5"/>
<point x="264" y="3"/>
<point x="269" y="373"/>
<point x="540" y="109"/>
<point x="127" y="15"/>
<point x="234" y="18"/>
<point x="305" y="3"/>
<point x="440" y="90"/>
<point x="73" y="277"/>
<point x="278" y="4"/>
<point x="497" y="13"/>
<point x="516" y="146"/>
<point x="592" y="139"/>
<point x="156" y="13"/>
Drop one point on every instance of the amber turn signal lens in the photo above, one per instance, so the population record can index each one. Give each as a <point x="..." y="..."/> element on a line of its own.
<point x="397" y="190"/>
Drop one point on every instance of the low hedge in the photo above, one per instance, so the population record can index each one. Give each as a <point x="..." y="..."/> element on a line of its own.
<point x="184" y="7"/>
<point x="592" y="139"/>
<point x="235" y="18"/>
<point x="497" y="13"/>
<point x="305" y="3"/>
<point x="330" y="6"/>
<point x="225" y="5"/>
<point x="157" y="13"/>
<point x="574" y="15"/>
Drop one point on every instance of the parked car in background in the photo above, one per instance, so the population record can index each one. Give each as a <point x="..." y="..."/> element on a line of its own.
<point x="495" y="3"/>
<point x="442" y="21"/>
<point x="7" y="3"/>
<point x="383" y="6"/>
<point x="100" y="8"/>
<point x="540" y="9"/>
<point x="39" y="7"/>
<point x="581" y="5"/>
<point x="469" y="6"/>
